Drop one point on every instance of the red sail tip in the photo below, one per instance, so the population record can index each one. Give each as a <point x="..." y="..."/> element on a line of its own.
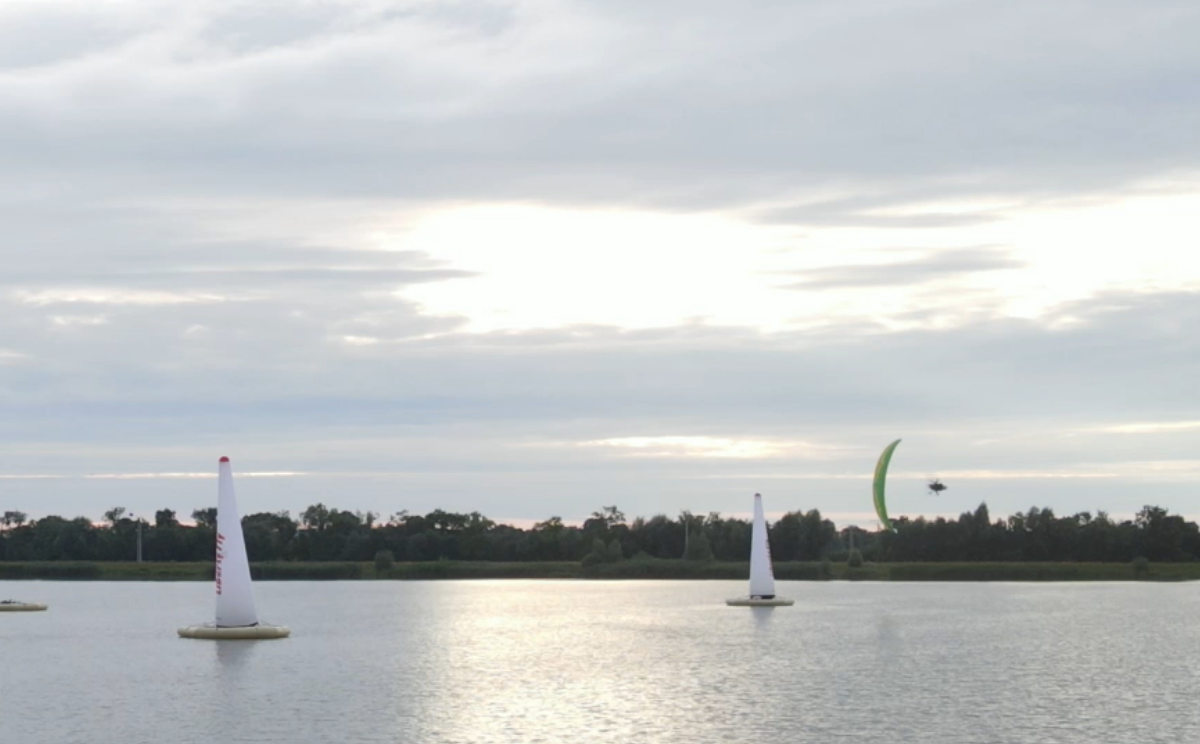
<point x="224" y="459"/>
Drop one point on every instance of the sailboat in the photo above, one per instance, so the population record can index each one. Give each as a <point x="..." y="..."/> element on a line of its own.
<point x="762" y="579"/>
<point x="236" y="616"/>
<point x="12" y="605"/>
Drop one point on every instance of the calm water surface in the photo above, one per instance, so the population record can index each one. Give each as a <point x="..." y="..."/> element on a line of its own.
<point x="539" y="661"/>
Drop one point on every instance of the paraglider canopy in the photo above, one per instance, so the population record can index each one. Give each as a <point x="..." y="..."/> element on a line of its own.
<point x="878" y="486"/>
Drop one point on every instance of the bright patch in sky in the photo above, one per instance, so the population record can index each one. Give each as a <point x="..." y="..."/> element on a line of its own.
<point x="541" y="267"/>
<point x="716" y="447"/>
<point x="1156" y="427"/>
<point x="67" y="321"/>
<point x="114" y="297"/>
<point x="691" y="447"/>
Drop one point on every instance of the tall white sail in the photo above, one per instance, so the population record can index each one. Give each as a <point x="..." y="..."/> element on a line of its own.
<point x="762" y="579"/>
<point x="235" y="594"/>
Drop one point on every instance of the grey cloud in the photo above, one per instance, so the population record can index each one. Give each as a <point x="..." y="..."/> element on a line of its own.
<point x="942" y="264"/>
<point x="1135" y="361"/>
<point x="124" y="338"/>
<point x="289" y="403"/>
<point x="146" y="151"/>
<point x="33" y="35"/>
<point x="267" y="25"/>
<point x="701" y="106"/>
<point x="862" y="210"/>
<point x="101" y="246"/>
<point x="814" y="216"/>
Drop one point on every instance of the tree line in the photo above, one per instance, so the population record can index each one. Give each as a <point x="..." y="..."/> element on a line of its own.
<point x="325" y="534"/>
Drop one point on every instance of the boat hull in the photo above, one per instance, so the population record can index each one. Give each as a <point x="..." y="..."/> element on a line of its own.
<point x="23" y="607"/>
<point x="250" y="633"/>
<point x="759" y="602"/>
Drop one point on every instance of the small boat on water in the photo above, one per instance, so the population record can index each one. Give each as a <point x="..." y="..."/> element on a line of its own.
<point x="762" y="577"/>
<point x="237" y="619"/>
<point x="12" y="605"/>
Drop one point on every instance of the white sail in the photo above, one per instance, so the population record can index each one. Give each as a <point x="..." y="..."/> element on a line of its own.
<point x="235" y="594"/>
<point x="762" y="579"/>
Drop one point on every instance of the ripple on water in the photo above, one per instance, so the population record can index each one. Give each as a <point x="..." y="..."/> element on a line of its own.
<point x="530" y="661"/>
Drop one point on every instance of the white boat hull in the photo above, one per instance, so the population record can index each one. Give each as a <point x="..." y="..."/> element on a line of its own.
<point x="760" y="602"/>
<point x="22" y="607"/>
<point x="249" y="633"/>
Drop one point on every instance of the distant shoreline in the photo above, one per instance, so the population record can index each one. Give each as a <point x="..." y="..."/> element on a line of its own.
<point x="629" y="569"/>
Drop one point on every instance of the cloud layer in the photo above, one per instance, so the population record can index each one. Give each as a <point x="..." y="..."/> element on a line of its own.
<point x="531" y="257"/>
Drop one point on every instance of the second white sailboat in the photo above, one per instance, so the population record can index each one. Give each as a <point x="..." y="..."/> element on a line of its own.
<point x="762" y="577"/>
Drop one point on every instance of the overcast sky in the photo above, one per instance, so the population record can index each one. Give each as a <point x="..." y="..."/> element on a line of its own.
<point x="535" y="257"/>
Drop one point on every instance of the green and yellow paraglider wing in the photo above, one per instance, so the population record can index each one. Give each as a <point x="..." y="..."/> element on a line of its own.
<point x="881" y="468"/>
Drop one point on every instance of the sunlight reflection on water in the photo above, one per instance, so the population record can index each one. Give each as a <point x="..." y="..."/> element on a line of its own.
<point x="530" y="661"/>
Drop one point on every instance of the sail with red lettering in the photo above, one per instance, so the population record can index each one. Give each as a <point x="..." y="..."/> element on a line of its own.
<point x="235" y="593"/>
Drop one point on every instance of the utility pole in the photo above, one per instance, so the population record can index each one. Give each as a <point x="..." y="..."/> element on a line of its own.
<point x="139" y="538"/>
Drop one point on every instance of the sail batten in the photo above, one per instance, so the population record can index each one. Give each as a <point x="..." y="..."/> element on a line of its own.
<point x="235" y="592"/>
<point x="762" y="577"/>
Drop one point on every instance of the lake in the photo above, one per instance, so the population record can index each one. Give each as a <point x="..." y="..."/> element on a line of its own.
<point x="586" y="661"/>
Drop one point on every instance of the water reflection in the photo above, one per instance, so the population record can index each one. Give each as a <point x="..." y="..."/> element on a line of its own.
<point x="435" y="662"/>
<point x="762" y="616"/>
<point x="888" y="642"/>
<point x="232" y="656"/>
<point x="887" y="632"/>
